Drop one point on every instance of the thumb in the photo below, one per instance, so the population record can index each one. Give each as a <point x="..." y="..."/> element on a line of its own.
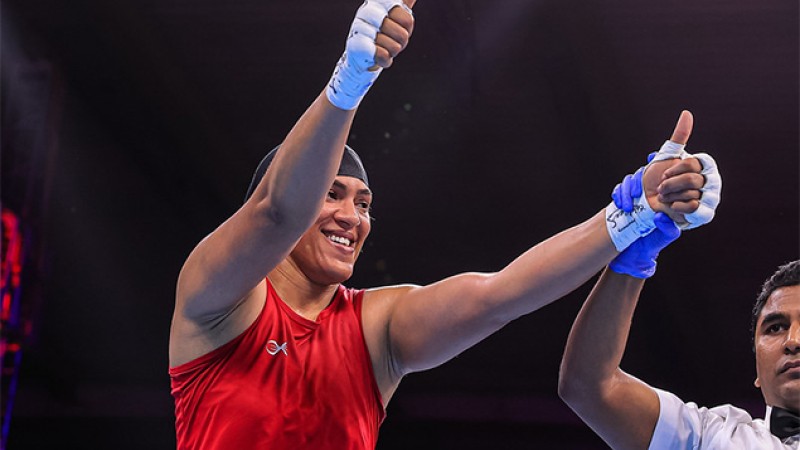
<point x="683" y="128"/>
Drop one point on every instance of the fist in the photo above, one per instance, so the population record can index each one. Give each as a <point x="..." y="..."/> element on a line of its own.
<point x="380" y="31"/>
<point x="673" y="187"/>
<point x="394" y="34"/>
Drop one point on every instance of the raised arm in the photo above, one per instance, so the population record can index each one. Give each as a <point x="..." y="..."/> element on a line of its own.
<point x="218" y="278"/>
<point x="621" y="409"/>
<point x="431" y="324"/>
<point x="618" y="407"/>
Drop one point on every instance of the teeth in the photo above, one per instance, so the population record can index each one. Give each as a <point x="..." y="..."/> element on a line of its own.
<point x="340" y="240"/>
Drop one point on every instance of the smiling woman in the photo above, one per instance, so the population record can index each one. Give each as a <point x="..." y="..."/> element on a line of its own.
<point x="267" y="349"/>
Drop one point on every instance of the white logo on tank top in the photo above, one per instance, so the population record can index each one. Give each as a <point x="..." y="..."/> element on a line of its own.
<point x="273" y="347"/>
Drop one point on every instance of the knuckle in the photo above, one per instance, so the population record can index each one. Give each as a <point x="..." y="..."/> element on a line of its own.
<point x="381" y="53"/>
<point x="402" y="17"/>
<point x="394" y="48"/>
<point x="403" y="38"/>
<point x="385" y="60"/>
<point x="698" y="180"/>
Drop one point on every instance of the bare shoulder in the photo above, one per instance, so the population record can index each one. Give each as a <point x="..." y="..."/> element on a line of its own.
<point x="189" y="338"/>
<point x="379" y="303"/>
<point x="385" y="294"/>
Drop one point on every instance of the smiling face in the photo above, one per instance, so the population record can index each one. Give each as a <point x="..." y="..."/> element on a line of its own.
<point x="777" y="346"/>
<point x="327" y="252"/>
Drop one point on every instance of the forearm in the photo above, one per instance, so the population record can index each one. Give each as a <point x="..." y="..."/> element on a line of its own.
<point x="306" y="164"/>
<point x="433" y="323"/>
<point x="618" y="407"/>
<point x="552" y="268"/>
<point x="597" y="340"/>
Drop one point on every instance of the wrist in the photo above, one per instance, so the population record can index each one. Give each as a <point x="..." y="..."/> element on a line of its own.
<point x="625" y="228"/>
<point x="352" y="76"/>
<point x="349" y="84"/>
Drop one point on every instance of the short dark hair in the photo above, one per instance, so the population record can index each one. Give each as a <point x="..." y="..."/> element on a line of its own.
<point x="786" y="275"/>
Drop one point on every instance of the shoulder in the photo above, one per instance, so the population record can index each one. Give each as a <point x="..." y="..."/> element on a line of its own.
<point x="688" y="425"/>
<point x="672" y="403"/>
<point x="387" y="293"/>
<point x="378" y="303"/>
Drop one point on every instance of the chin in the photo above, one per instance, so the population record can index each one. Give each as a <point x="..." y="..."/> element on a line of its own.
<point x="791" y="395"/>
<point x="787" y="395"/>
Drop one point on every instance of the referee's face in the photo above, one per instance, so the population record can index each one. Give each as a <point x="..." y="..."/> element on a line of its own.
<point x="777" y="343"/>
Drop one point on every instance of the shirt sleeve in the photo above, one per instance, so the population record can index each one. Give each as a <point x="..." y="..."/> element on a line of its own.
<point x="686" y="426"/>
<point x="679" y="425"/>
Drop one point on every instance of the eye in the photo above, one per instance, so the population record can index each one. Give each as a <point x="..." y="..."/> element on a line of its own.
<point x="332" y="195"/>
<point x="775" y="328"/>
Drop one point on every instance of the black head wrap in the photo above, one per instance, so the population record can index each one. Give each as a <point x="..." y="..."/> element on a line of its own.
<point x="351" y="166"/>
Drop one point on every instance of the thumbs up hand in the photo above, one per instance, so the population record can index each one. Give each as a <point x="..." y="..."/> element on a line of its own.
<point x="380" y="31"/>
<point x="685" y="187"/>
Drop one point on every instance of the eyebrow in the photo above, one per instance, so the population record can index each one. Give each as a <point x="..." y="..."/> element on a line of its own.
<point x="341" y="185"/>
<point x="773" y="317"/>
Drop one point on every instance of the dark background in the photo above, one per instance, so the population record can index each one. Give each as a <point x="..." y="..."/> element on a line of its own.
<point x="503" y="123"/>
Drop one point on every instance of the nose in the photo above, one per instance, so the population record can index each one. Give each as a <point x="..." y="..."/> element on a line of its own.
<point x="792" y="344"/>
<point x="347" y="216"/>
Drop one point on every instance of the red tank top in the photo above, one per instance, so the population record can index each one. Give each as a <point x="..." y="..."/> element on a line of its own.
<point x="285" y="383"/>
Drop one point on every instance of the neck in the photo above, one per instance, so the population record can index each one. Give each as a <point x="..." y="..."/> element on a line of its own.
<point x="300" y="293"/>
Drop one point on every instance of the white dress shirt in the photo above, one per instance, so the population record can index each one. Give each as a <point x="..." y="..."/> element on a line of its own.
<point x="684" y="426"/>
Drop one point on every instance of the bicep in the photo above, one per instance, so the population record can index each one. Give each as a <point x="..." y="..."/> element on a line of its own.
<point x="228" y="263"/>
<point x="431" y="324"/>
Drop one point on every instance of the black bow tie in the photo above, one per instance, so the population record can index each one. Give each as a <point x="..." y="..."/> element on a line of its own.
<point x="784" y="423"/>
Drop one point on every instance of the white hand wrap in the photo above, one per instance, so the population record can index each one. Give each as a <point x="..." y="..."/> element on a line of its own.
<point x="624" y="228"/>
<point x="710" y="193"/>
<point x="670" y="150"/>
<point x="711" y="190"/>
<point x="352" y="78"/>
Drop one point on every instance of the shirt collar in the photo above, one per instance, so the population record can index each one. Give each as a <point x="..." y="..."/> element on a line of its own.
<point x="789" y="440"/>
<point x="766" y="416"/>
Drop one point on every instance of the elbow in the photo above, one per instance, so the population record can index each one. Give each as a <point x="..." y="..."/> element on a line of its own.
<point x="280" y="215"/>
<point x="572" y="388"/>
<point x="567" y="386"/>
<point x="583" y="388"/>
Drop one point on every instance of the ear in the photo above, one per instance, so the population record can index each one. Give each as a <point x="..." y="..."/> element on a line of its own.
<point x="757" y="383"/>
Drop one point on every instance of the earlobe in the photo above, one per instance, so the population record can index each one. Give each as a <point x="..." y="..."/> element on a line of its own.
<point x="757" y="383"/>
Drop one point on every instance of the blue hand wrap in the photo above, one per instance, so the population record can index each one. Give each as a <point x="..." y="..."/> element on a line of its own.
<point x="629" y="216"/>
<point x="639" y="259"/>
